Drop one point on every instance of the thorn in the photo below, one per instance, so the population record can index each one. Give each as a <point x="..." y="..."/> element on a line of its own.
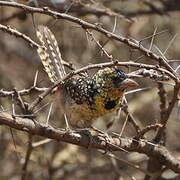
<point x="177" y="68"/>
<point x="35" y="79"/>
<point x="41" y="108"/>
<point x="67" y="124"/>
<point x="138" y="90"/>
<point x="49" y="113"/>
<point x="152" y="39"/>
<point x="124" y="125"/>
<point x="162" y="54"/>
<point x="45" y="8"/>
<point x="170" y="43"/>
<point x="115" y="24"/>
<point x="13" y="107"/>
<point x="140" y="57"/>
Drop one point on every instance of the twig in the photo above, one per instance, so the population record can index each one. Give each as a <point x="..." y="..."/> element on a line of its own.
<point x="152" y="39"/>
<point x="168" y="112"/>
<point x="152" y="74"/>
<point x="18" y="34"/>
<point x="110" y="154"/>
<point x="147" y="129"/>
<point x="169" y="44"/>
<point x="130" y="118"/>
<point x="23" y="92"/>
<point x="49" y="113"/>
<point x="40" y="143"/>
<point x="101" y="47"/>
<point x="124" y="125"/>
<point x="154" y="35"/>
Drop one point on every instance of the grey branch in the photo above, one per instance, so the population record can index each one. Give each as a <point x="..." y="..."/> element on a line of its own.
<point x="84" y="139"/>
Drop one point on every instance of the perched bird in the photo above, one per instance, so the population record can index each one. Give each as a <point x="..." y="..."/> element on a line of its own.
<point x="82" y="98"/>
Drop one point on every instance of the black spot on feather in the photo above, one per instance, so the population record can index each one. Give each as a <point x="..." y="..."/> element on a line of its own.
<point x="110" y="105"/>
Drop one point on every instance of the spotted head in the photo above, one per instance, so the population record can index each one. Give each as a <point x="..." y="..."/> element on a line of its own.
<point x="113" y="80"/>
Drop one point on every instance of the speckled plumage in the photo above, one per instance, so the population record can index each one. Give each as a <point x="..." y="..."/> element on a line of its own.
<point x="83" y="99"/>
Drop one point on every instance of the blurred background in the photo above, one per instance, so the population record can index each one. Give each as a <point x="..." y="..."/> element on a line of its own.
<point x="19" y="63"/>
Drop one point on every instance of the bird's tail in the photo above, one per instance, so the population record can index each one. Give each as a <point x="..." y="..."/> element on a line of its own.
<point x="50" y="55"/>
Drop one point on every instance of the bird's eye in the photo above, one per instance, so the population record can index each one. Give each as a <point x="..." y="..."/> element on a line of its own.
<point x="117" y="80"/>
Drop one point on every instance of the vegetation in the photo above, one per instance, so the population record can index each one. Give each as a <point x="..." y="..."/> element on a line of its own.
<point x="142" y="139"/>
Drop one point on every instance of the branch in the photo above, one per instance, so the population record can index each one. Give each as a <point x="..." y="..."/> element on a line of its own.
<point x="18" y="34"/>
<point x="23" y="92"/>
<point x="168" y="112"/>
<point x="85" y="25"/>
<point x="84" y="139"/>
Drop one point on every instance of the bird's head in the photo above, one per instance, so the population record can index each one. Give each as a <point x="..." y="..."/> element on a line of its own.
<point x="113" y="79"/>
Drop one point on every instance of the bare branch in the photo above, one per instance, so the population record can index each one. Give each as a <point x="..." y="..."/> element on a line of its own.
<point x="85" y="25"/>
<point x="168" y="112"/>
<point x="18" y="34"/>
<point x="98" y="142"/>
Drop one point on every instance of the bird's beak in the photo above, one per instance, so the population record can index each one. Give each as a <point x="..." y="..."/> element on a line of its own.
<point x="129" y="83"/>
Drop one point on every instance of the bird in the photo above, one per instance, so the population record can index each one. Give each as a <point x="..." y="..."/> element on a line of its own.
<point x="83" y="99"/>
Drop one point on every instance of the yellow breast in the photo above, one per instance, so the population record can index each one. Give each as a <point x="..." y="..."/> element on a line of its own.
<point x="105" y="104"/>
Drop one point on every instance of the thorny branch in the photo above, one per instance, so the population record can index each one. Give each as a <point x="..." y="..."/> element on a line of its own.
<point x="85" y="25"/>
<point x="98" y="142"/>
<point x="126" y="64"/>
